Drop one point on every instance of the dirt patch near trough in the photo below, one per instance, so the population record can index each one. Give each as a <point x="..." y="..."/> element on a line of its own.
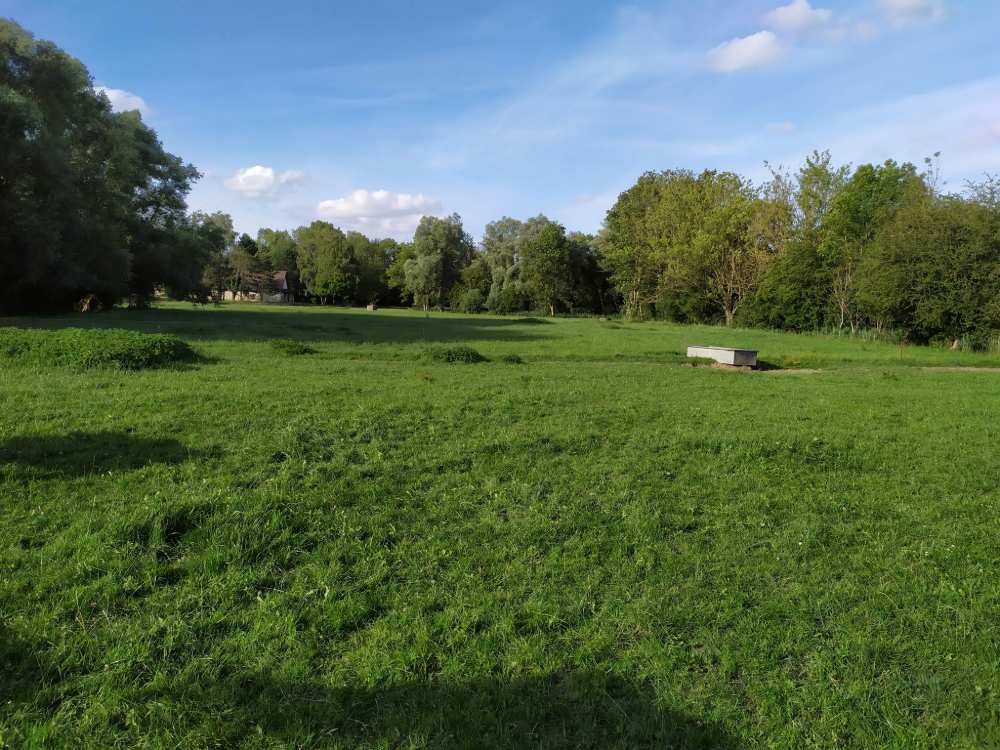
<point x="961" y="369"/>
<point x="767" y="370"/>
<point x="799" y="371"/>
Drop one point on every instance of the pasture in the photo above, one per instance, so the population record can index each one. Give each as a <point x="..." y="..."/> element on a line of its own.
<point x="349" y="539"/>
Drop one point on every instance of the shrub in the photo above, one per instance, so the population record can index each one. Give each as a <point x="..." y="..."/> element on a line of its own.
<point x="509" y="299"/>
<point x="455" y="354"/>
<point x="85" y="348"/>
<point x="472" y="301"/>
<point x="512" y="359"/>
<point x="291" y="348"/>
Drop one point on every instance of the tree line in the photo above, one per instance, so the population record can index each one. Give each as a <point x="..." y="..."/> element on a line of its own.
<point x="878" y="247"/>
<point x="91" y="205"/>
<point x="519" y="266"/>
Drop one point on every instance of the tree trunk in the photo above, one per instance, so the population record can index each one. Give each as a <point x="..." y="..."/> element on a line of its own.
<point x="730" y="317"/>
<point x="552" y="310"/>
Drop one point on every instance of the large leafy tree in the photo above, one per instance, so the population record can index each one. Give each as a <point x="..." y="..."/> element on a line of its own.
<point x="503" y="254"/>
<point x="450" y="249"/>
<point x="422" y="277"/>
<point x="858" y="213"/>
<point x="278" y="246"/>
<point x="797" y="286"/>
<point x="90" y="203"/>
<point x="643" y="232"/>
<point x="217" y="236"/>
<point x="327" y="267"/>
<point x="547" y="272"/>
<point x="252" y="271"/>
<point x="933" y="271"/>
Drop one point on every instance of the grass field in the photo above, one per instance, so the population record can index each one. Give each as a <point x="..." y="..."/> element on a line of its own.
<point x="600" y="547"/>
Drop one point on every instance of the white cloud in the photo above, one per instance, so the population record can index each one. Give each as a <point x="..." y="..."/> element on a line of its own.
<point x="258" y="181"/>
<point x="781" y="128"/>
<point x="379" y="213"/>
<point x="123" y="101"/>
<point x="744" y="53"/>
<point x="798" y="16"/>
<point x="905" y="12"/>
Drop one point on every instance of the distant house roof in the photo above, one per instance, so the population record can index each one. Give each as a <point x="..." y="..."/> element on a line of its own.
<point x="281" y="280"/>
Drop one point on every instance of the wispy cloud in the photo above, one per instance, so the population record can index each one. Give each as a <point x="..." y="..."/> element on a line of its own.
<point x="961" y="121"/>
<point x="907" y="12"/>
<point x="781" y="128"/>
<point x="745" y="53"/>
<point x="588" y="88"/>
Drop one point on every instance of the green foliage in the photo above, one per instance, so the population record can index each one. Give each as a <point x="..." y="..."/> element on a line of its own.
<point x="422" y="278"/>
<point x="512" y="359"/>
<point x="860" y="211"/>
<point x="86" y="348"/>
<point x="471" y="301"/>
<point x="291" y="348"/>
<point x="441" y="249"/>
<point x="279" y="248"/>
<point x="90" y="202"/>
<point x="327" y="265"/>
<point x="794" y="293"/>
<point x="933" y="272"/>
<point x="696" y="247"/>
<point x="546" y="268"/>
<point x="477" y="275"/>
<point x="455" y="354"/>
<point x="511" y="298"/>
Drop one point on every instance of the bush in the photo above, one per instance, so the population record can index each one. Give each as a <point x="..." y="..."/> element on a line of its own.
<point x="510" y="299"/>
<point x="512" y="359"/>
<point x="472" y="301"/>
<point x="455" y="354"/>
<point x="291" y="348"/>
<point x="85" y="348"/>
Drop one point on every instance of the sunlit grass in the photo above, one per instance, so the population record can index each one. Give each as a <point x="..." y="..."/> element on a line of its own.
<point x="599" y="547"/>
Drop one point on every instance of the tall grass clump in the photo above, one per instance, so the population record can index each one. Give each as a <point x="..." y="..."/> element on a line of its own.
<point x="455" y="354"/>
<point x="291" y="348"/>
<point x="86" y="348"/>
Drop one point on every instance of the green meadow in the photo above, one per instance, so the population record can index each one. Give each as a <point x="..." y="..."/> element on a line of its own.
<point x="329" y="529"/>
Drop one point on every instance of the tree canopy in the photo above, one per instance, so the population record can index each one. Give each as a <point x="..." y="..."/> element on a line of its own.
<point x="90" y="202"/>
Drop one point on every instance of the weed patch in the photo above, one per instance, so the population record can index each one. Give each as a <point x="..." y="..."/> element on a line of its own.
<point x="291" y="348"/>
<point x="455" y="355"/>
<point x="87" y="348"/>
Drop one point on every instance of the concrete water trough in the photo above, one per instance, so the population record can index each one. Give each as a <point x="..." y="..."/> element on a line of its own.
<point x="725" y="356"/>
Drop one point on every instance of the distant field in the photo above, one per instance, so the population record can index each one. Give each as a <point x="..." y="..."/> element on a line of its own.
<point x="600" y="547"/>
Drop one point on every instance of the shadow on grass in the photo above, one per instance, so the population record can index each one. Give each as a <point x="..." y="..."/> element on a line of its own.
<point x="568" y="709"/>
<point x="305" y="323"/>
<point x="572" y="709"/>
<point x="21" y="666"/>
<point x="82" y="453"/>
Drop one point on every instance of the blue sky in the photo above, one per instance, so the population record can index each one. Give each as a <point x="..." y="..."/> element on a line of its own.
<point x="372" y="114"/>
